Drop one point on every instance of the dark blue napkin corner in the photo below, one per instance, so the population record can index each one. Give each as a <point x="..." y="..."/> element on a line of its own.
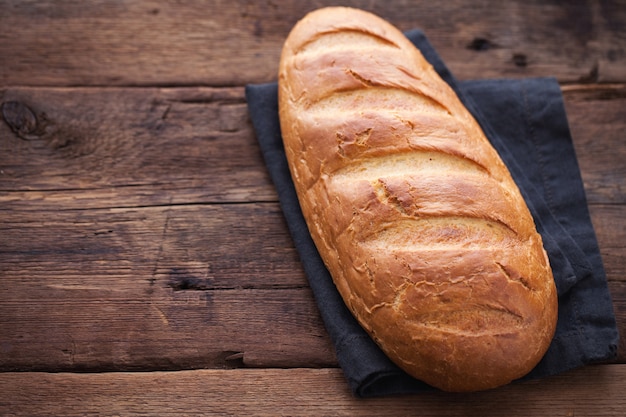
<point x="525" y="120"/>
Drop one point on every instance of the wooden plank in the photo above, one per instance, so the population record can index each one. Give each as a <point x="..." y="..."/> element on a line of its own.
<point x="154" y="288"/>
<point x="187" y="330"/>
<point x="179" y="330"/>
<point x="592" y="391"/>
<point x="68" y="148"/>
<point x="222" y="246"/>
<point x="101" y="147"/>
<point x="235" y="42"/>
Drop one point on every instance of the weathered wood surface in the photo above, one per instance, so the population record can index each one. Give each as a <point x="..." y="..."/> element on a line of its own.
<point x="223" y="42"/>
<point x="593" y="391"/>
<point x="139" y="230"/>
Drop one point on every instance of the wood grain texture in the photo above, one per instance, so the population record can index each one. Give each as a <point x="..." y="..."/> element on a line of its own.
<point x="597" y="118"/>
<point x="154" y="288"/>
<point x="592" y="391"/>
<point x="103" y="147"/>
<point x="610" y="227"/>
<point x="139" y="229"/>
<point x="232" y="43"/>
<point x="187" y="330"/>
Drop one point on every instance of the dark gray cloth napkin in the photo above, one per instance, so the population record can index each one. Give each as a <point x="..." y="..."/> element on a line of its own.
<point x="525" y="121"/>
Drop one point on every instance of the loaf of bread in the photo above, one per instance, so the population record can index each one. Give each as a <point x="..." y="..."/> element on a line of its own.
<point x="416" y="217"/>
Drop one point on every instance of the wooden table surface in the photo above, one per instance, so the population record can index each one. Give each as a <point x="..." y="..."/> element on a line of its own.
<point x="145" y="266"/>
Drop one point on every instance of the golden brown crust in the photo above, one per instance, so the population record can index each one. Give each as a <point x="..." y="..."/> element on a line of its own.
<point x="419" y="222"/>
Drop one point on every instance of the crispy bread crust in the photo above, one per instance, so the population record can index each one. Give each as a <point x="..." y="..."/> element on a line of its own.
<point x="416" y="217"/>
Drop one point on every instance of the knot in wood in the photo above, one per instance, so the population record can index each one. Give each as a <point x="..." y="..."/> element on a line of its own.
<point x="20" y="119"/>
<point x="520" y="60"/>
<point x="480" y="44"/>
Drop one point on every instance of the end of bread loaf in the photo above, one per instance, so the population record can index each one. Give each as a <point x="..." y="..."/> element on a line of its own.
<point x="418" y="220"/>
